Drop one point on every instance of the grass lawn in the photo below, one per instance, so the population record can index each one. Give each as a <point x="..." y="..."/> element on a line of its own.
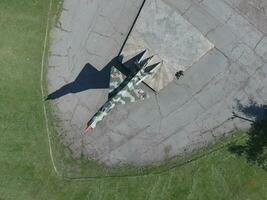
<point x="25" y="166"/>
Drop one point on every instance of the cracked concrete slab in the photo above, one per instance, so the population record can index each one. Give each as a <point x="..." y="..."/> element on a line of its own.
<point x="189" y="113"/>
<point x="255" y="11"/>
<point x="163" y="32"/>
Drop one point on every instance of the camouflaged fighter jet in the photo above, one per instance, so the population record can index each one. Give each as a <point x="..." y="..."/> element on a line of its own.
<point x="125" y="89"/>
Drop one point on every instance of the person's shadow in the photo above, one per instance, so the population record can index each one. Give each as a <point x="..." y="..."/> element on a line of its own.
<point x="91" y="78"/>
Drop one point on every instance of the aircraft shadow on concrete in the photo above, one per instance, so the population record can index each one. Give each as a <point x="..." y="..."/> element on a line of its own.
<point x="91" y="78"/>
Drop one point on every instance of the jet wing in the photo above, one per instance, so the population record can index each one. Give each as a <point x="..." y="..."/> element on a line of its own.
<point x="116" y="78"/>
<point x="129" y="93"/>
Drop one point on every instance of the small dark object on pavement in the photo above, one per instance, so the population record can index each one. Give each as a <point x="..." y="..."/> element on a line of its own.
<point x="179" y="74"/>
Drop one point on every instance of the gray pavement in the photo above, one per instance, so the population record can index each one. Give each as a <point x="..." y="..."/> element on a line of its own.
<point x="189" y="113"/>
<point x="165" y="33"/>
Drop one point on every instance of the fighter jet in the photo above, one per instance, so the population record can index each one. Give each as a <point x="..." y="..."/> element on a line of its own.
<point x="125" y="88"/>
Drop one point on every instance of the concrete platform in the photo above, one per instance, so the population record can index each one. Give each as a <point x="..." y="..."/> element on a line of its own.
<point x="188" y="113"/>
<point x="164" y="32"/>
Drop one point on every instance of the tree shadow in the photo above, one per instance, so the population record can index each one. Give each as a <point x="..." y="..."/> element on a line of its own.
<point x="254" y="148"/>
<point x="253" y="110"/>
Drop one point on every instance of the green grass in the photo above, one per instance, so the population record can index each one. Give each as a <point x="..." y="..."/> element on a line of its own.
<point x="25" y="166"/>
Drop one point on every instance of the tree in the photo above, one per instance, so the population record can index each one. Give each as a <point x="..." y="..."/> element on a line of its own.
<point x="254" y="148"/>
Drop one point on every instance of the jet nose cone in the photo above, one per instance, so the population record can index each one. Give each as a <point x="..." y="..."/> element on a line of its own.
<point x="88" y="129"/>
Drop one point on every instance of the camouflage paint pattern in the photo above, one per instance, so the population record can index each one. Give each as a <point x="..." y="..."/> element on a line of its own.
<point x="130" y="92"/>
